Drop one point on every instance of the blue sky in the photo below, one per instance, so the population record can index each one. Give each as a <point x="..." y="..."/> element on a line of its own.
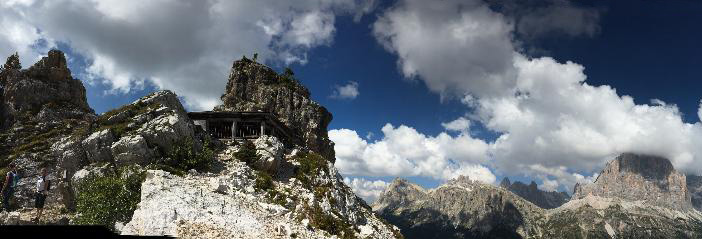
<point x="417" y="84"/>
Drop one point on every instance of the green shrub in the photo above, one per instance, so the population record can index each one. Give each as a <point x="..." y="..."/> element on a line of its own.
<point x="264" y="181"/>
<point x="247" y="153"/>
<point x="104" y="200"/>
<point x="183" y="156"/>
<point x="311" y="164"/>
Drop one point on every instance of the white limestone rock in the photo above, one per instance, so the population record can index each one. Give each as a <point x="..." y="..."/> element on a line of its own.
<point x="97" y="146"/>
<point x="132" y="149"/>
<point x="271" y="151"/>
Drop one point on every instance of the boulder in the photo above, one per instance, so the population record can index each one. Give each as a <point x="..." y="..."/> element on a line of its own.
<point x="132" y="149"/>
<point x="271" y="151"/>
<point x="97" y="146"/>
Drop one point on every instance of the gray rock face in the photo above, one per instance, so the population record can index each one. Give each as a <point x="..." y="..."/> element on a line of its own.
<point x="97" y="146"/>
<point x="694" y="185"/>
<point x="465" y="209"/>
<point x="255" y="87"/>
<point x="536" y="196"/>
<point x="45" y="87"/>
<point x="640" y="177"/>
<point x="461" y="208"/>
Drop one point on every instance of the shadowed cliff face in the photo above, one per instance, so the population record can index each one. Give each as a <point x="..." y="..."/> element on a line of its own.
<point x="649" y="167"/>
<point x="536" y="196"/>
<point x="694" y="184"/>
<point x="256" y="87"/>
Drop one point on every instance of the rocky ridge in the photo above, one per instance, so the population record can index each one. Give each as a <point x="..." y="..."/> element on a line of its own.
<point x="192" y="186"/>
<point x="461" y="208"/>
<point x="452" y="210"/>
<point x="534" y="195"/>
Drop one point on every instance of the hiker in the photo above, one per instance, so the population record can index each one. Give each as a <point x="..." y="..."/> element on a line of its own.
<point x="9" y="187"/>
<point x="43" y="185"/>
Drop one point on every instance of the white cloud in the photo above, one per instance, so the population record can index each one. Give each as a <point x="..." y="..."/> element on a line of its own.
<point x="367" y="189"/>
<point x="185" y="46"/>
<point x="404" y="152"/>
<point x="553" y="125"/>
<point x="454" y="46"/>
<point x="460" y="124"/>
<point x="348" y="91"/>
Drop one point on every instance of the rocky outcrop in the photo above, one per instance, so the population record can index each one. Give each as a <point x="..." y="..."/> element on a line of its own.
<point x="39" y="106"/>
<point x="255" y="87"/>
<point x="637" y="177"/>
<point x="461" y="208"/>
<point x="694" y="185"/>
<point x="233" y="204"/>
<point x="534" y="195"/>
<point x="46" y="90"/>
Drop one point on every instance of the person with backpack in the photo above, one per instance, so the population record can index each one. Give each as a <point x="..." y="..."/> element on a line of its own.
<point x="43" y="186"/>
<point x="8" y="189"/>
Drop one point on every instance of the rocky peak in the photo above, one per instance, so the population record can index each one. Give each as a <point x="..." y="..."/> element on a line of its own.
<point x="46" y="91"/>
<point x="54" y="59"/>
<point x="12" y="62"/>
<point x="400" y="193"/>
<point x="256" y="87"/>
<point x="505" y="183"/>
<point x="533" y="194"/>
<point x="460" y="208"/>
<point x="640" y="177"/>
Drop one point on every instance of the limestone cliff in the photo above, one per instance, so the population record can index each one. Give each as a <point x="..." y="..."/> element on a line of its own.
<point x="256" y="87"/>
<point x="636" y="177"/>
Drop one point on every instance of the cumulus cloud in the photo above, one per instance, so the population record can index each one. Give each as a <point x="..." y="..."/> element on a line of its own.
<point x="461" y="124"/>
<point x="462" y="46"/>
<point x="185" y="46"/>
<point x="348" y="91"/>
<point x="367" y="189"/>
<point x="552" y="124"/>
<point x="404" y="152"/>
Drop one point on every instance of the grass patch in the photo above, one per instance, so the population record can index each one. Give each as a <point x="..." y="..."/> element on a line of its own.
<point x="121" y="127"/>
<point x="104" y="200"/>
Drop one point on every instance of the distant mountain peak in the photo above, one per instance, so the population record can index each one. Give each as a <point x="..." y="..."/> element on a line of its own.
<point x="533" y="194"/>
<point x="640" y="177"/>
